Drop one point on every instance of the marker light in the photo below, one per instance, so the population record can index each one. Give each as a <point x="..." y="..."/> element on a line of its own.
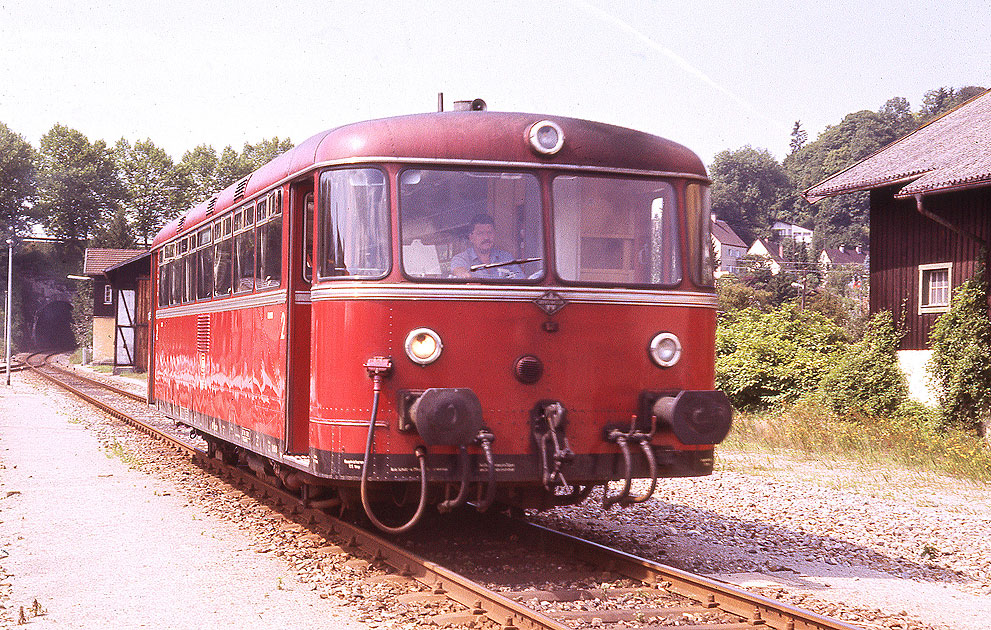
<point x="546" y="137"/>
<point x="423" y="346"/>
<point x="665" y="349"/>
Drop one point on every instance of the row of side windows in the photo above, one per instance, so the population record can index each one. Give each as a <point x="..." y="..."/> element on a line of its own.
<point x="237" y="253"/>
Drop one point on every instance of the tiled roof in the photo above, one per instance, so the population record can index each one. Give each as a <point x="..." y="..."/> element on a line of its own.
<point x="725" y="234"/>
<point x="96" y="261"/>
<point x="953" y="151"/>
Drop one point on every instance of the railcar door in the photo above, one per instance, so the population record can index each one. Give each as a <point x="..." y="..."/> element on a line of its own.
<point x="300" y="270"/>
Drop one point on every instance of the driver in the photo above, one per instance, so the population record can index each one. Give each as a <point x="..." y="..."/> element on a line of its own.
<point x="482" y="251"/>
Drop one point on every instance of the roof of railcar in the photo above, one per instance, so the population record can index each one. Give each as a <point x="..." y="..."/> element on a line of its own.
<point x="468" y="137"/>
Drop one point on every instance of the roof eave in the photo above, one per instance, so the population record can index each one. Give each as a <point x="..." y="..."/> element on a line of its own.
<point x="908" y="192"/>
<point x="819" y="192"/>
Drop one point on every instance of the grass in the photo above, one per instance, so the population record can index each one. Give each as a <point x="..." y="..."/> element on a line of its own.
<point x="811" y="429"/>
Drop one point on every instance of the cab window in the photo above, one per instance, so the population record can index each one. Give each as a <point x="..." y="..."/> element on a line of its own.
<point x="482" y="226"/>
<point x="616" y="231"/>
<point x="353" y="224"/>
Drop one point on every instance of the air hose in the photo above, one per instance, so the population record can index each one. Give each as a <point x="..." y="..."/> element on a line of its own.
<point x="376" y="371"/>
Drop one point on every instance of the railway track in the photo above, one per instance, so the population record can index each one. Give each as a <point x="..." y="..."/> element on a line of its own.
<point x="652" y="595"/>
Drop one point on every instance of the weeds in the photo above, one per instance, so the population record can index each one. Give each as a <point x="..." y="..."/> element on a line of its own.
<point x="116" y="449"/>
<point x="909" y="440"/>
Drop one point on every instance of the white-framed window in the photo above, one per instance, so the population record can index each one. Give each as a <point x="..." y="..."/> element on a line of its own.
<point x="108" y="294"/>
<point x="934" y="287"/>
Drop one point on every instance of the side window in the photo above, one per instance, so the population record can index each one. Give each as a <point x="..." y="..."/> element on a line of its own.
<point x="354" y="224"/>
<point x="204" y="264"/>
<point x="244" y="249"/>
<point x="223" y="247"/>
<point x="163" y="277"/>
<point x="189" y="262"/>
<point x="269" y="232"/>
<point x="934" y="287"/>
<point x="697" y="209"/>
<point x="181" y="271"/>
<point x="175" y="279"/>
<point x="108" y="294"/>
<point x="308" y="237"/>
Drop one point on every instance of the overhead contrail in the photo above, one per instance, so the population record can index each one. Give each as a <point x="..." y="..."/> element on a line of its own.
<point x="670" y="54"/>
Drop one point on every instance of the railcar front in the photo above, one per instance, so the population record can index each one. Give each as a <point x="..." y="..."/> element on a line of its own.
<point x="452" y="307"/>
<point x="518" y="328"/>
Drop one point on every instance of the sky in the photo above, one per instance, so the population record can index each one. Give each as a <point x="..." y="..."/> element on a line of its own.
<point x="709" y="75"/>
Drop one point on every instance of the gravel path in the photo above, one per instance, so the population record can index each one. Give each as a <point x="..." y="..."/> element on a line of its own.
<point x="906" y="549"/>
<point x="99" y="545"/>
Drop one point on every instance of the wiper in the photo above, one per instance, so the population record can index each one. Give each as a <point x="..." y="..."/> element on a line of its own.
<point x="518" y="261"/>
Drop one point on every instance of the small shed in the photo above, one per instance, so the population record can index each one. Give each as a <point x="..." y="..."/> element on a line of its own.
<point x="130" y="281"/>
<point x="930" y="220"/>
<point x="95" y="262"/>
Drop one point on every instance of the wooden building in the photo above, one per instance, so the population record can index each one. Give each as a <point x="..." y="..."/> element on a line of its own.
<point x="131" y="287"/>
<point x="930" y="219"/>
<point x="95" y="262"/>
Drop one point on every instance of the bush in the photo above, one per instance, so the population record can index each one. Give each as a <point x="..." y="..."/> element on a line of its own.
<point x="769" y="358"/>
<point x="736" y="296"/>
<point x="865" y="378"/>
<point x="961" y="361"/>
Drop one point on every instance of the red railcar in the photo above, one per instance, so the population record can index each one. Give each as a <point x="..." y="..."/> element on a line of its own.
<point x="449" y="307"/>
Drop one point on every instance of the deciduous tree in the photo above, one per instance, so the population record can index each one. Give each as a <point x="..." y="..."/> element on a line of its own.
<point x="17" y="181"/>
<point x="254" y="156"/>
<point x="115" y="234"/>
<point x="746" y="185"/>
<point x="153" y="186"/>
<point x="77" y="183"/>
<point x="206" y="173"/>
<point x="199" y="171"/>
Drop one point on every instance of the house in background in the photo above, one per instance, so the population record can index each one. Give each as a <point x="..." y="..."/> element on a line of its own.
<point x="728" y="247"/>
<point x="930" y="220"/>
<point x="832" y="258"/>
<point x="796" y="233"/>
<point x="773" y="252"/>
<point x="95" y="263"/>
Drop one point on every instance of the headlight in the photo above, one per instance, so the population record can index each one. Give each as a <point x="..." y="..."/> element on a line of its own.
<point x="665" y="349"/>
<point x="423" y="346"/>
<point x="546" y="137"/>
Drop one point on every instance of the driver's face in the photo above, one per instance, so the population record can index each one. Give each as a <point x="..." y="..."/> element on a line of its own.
<point x="482" y="238"/>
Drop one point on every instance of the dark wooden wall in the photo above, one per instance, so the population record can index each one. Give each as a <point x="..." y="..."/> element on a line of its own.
<point x="100" y="308"/>
<point x="902" y="239"/>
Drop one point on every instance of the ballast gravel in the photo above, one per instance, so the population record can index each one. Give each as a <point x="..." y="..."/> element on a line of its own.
<point x="878" y="546"/>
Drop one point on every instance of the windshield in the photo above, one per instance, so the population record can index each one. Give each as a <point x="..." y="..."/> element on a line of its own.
<point x="471" y="225"/>
<point x="610" y="230"/>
